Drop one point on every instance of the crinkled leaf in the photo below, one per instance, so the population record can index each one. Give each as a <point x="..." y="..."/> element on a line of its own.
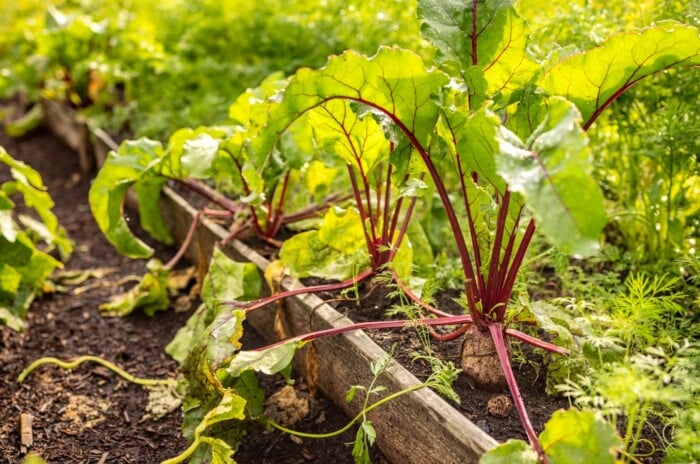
<point x="342" y="229"/>
<point x="231" y="406"/>
<point x="594" y="78"/>
<point x="198" y="155"/>
<point x="134" y="160"/>
<point x="487" y="33"/>
<point x="572" y="436"/>
<point x="511" y="452"/>
<point x="221" y="452"/>
<point x="553" y="174"/>
<point x="269" y="361"/>
<point x="305" y="254"/>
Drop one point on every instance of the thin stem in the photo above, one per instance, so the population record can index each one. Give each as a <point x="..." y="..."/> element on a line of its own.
<point x="185" y="243"/>
<point x="536" y="342"/>
<point x="277" y="217"/>
<point x="387" y="202"/>
<point x="515" y="265"/>
<point x="359" y="416"/>
<point x="103" y="362"/>
<point x="257" y="304"/>
<point x="413" y="297"/>
<point x="210" y="194"/>
<point x="372" y="325"/>
<point x="491" y="299"/>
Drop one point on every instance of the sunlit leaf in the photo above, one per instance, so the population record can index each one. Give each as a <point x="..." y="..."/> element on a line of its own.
<point x="594" y="78"/>
<point x="511" y="452"/>
<point x="268" y="361"/>
<point x="573" y="436"/>
<point x="394" y="81"/>
<point x="484" y="34"/>
<point x="132" y="162"/>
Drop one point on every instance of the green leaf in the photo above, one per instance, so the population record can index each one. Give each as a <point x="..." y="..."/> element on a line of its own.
<point x="28" y="182"/>
<point x="476" y="143"/>
<point x="394" y="82"/>
<point x="342" y="229"/>
<point x="221" y="452"/>
<point x="572" y="436"/>
<point x="269" y="361"/>
<point x="487" y="34"/>
<point x="198" y="155"/>
<point x="358" y="141"/>
<point x="148" y="196"/>
<point x="552" y="171"/>
<point x="594" y="78"/>
<point x="304" y="254"/>
<point x="511" y="452"/>
<point x="231" y="406"/>
<point x="134" y="160"/>
<point x="230" y="280"/>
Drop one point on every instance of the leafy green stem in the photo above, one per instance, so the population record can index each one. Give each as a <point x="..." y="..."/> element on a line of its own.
<point x="103" y="362"/>
<point x="355" y="419"/>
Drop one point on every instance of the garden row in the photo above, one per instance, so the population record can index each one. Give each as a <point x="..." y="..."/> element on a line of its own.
<point x="422" y="180"/>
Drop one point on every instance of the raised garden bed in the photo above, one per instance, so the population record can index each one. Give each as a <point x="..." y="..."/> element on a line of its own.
<point x="446" y="435"/>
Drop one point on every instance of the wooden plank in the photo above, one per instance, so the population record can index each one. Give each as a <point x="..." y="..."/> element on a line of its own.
<point x="71" y="129"/>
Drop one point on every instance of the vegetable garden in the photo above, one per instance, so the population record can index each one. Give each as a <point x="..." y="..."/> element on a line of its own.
<point x="481" y="187"/>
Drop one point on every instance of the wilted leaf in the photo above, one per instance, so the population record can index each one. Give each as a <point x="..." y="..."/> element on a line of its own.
<point x="268" y="361"/>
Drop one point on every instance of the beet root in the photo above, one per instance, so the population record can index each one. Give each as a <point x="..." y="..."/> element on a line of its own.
<point x="480" y="361"/>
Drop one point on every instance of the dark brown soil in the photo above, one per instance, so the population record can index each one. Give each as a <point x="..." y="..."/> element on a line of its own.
<point x="89" y="415"/>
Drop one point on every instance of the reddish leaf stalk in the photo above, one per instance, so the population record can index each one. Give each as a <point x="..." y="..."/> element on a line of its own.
<point x="257" y="304"/>
<point x="372" y="325"/>
<point x="496" y="330"/>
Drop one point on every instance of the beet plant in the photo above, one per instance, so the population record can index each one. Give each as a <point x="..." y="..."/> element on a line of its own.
<point x="27" y="242"/>
<point x="502" y="140"/>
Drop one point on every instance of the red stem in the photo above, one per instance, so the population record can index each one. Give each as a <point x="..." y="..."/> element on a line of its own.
<point x="496" y="330"/>
<point x="491" y="299"/>
<point x="372" y="325"/>
<point x="536" y="342"/>
<point x="210" y="194"/>
<point x="185" y="243"/>
<point x="371" y="249"/>
<point x="257" y="304"/>
<point x="515" y="266"/>
<point x="273" y="228"/>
